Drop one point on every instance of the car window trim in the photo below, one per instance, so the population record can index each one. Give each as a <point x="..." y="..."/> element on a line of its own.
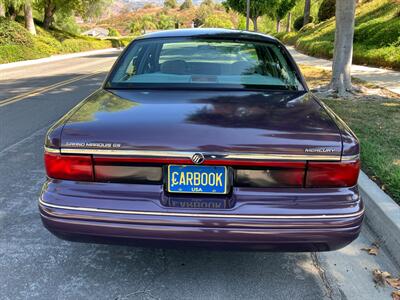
<point x="291" y="63"/>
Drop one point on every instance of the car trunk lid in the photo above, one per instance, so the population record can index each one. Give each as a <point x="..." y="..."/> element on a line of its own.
<point x="257" y="123"/>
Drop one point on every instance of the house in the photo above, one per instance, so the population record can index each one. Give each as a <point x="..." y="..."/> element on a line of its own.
<point x="96" y="32"/>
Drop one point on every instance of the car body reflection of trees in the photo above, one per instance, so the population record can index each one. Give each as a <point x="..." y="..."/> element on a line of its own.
<point x="274" y="111"/>
<point x="102" y="102"/>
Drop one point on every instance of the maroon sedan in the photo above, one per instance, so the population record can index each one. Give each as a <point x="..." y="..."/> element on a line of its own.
<point x="205" y="138"/>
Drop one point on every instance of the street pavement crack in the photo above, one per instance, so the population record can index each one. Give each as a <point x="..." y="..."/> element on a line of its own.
<point x="322" y="274"/>
<point x="147" y="290"/>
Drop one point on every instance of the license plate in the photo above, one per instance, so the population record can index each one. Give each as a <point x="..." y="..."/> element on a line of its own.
<point x="197" y="179"/>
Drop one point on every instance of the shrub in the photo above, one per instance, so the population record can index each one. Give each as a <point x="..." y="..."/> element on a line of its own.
<point x="16" y="43"/>
<point x="327" y="10"/>
<point x="13" y="33"/>
<point x="307" y="27"/>
<point x="118" y="42"/>
<point x="66" y="24"/>
<point x="113" y="32"/>
<point x="376" y="36"/>
<point x="218" y="21"/>
<point x="170" y="4"/>
<point x="186" y="5"/>
<point x="298" y="23"/>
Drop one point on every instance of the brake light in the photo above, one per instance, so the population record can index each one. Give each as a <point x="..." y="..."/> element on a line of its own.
<point x="69" y="167"/>
<point x="276" y="174"/>
<point x="335" y="174"/>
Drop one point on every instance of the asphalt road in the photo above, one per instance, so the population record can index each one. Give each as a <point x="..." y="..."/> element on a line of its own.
<point x="36" y="265"/>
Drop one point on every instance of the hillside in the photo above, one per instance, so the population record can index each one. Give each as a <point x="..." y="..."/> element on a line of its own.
<point x="16" y="43"/>
<point x="376" y="40"/>
<point x="141" y="3"/>
<point x="122" y="22"/>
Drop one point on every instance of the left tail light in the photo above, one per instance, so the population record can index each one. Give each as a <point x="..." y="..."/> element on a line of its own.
<point x="69" y="167"/>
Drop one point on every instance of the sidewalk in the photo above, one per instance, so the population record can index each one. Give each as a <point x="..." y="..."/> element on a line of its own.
<point x="385" y="78"/>
<point x="53" y="58"/>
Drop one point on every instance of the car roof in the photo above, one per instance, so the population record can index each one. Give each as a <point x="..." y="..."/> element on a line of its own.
<point x="210" y="33"/>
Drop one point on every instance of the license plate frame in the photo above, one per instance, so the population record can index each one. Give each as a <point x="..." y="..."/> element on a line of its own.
<point x="188" y="189"/>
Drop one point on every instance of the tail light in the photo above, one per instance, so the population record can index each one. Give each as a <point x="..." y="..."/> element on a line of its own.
<point x="69" y="167"/>
<point x="332" y="174"/>
<point x="115" y="169"/>
<point x="263" y="174"/>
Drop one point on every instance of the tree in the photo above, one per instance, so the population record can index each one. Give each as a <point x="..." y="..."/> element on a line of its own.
<point x="49" y="10"/>
<point x="343" y="53"/>
<point x="186" y="5"/>
<point x="208" y="3"/>
<point x="113" y="32"/>
<point x="299" y="22"/>
<point x="29" y="24"/>
<point x="257" y="8"/>
<point x="218" y="21"/>
<point x="327" y="10"/>
<point x="89" y="9"/>
<point x="289" y="22"/>
<point x="307" y="12"/>
<point x="2" y="10"/>
<point x="12" y="8"/>
<point x="148" y="5"/>
<point x="205" y="10"/>
<point x="282" y="9"/>
<point x="170" y="4"/>
<point x="141" y="25"/>
<point x="83" y="8"/>
<point x="165" y="22"/>
<point x="148" y="23"/>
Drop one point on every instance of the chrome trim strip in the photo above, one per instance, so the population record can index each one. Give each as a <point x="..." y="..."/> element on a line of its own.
<point x="169" y="154"/>
<point x="51" y="150"/>
<point x="188" y="155"/>
<point x="204" y="215"/>
<point x="351" y="157"/>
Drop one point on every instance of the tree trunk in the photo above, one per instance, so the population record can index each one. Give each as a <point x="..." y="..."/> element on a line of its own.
<point x="289" y="22"/>
<point x="343" y="53"/>
<point x="12" y="12"/>
<point x="49" y="10"/>
<point x="278" y="25"/>
<point x="255" y="24"/>
<point x="307" y="11"/>
<point x="29" y="24"/>
<point x="2" y="10"/>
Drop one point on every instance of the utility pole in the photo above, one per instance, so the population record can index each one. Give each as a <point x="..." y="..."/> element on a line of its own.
<point x="248" y="15"/>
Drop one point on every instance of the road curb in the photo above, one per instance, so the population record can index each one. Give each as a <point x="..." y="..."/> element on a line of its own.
<point x="382" y="215"/>
<point x="55" y="58"/>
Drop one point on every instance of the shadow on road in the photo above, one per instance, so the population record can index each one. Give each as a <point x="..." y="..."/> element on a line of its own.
<point x="36" y="265"/>
<point x="20" y="119"/>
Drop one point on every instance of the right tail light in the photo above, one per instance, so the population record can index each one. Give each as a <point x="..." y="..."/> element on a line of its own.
<point x="332" y="174"/>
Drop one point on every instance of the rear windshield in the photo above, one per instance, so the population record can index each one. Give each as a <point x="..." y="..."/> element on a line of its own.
<point x="204" y="63"/>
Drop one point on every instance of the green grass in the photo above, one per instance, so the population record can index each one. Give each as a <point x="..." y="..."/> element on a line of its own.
<point x="376" y="122"/>
<point x="376" y="39"/>
<point x="17" y="44"/>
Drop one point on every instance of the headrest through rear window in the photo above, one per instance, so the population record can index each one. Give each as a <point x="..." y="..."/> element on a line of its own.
<point x="174" y="67"/>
